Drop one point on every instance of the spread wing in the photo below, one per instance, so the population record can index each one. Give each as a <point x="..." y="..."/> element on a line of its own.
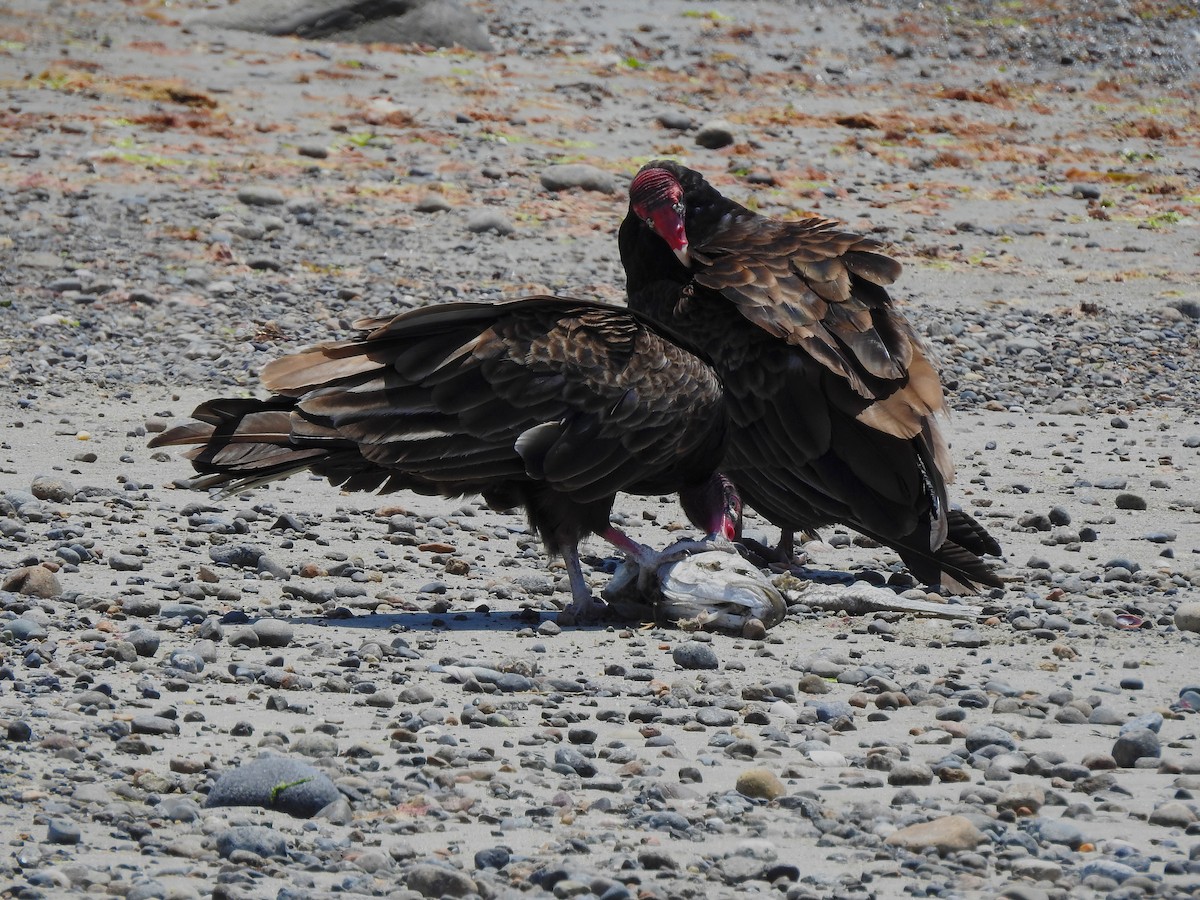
<point x="466" y="397"/>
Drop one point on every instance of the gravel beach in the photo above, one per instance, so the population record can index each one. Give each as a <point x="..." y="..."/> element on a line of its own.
<point x="301" y="693"/>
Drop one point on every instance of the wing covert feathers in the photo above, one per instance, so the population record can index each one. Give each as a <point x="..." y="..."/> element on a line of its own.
<point x="577" y="397"/>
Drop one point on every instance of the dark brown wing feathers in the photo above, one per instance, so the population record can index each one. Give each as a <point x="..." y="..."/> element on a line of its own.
<point x="814" y="286"/>
<point x="576" y="398"/>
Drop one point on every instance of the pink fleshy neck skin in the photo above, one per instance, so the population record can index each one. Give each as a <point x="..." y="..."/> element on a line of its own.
<point x="668" y="225"/>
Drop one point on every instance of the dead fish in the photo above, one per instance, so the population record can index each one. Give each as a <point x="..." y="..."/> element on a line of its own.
<point x="712" y="591"/>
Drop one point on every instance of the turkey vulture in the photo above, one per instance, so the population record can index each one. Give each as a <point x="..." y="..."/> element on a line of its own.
<point x="833" y="402"/>
<point x="546" y="403"/>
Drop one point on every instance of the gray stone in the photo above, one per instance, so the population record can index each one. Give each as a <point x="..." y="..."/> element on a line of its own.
<point x="988" y="736"/>
<point x="52" y="488"/>
<point x="482" y="220"/>
<point x="824" y="667"/>
<point x="1107" y="868"/>
<point x="179" y="809"/>
<point x="1105" y="715"/>
<point x="1187" y="617"/>
<point x="830" y="710"/>
<point x="416" y="694"/>
<point x="313" y="151"/>
<point x="148" y="890"/>
<point x="256" y="839"/>
<point x="120" y="650"/>
<point x="339" y="812"/>
<point x="1130" y="501"/>
<point x="175" y="611"/>
<point x="575" y="761"/>
<point x="144" y="641"/>
<point x="715" y="134"/>
<point x="63" y="831"/>
<point x="577" y="175"/>
<point x="716" y="717"/>
<point x="431" y="880"/>
<point x="315" y="744"/>
<point x="1136" y="744"/>
<point x="91" y="793"/>
<point x="243" y="637"/>
<point x="1070" y="715"/>
<point x="947" y="834"/>
<point x="680" y="121"/>
<point x="124" y="562"/>
<point x="1189" y="308"/>
<point x="373" y="861"/>
<point x="273" y="632"/>
<point x="432" y="202"/>
<point x="1058" y="831"/>
<point x="154" y="725"/>
<point x="22" y="629"/>
<point x="275" y="782"/>
<point x="906" y="773"/>
<point x="1022" y="796"/>
<point x="695" y="655"/>
<point x="236" y="555"/>
<point x="1151" y="720"/>
<point x="738" y="869"/>
<point x="268" y="566"/>
<point x="492" y="858"/>
<point x="261" y="195"/>
<point x="1172" y="814"/>
<point x="186" y="661"/>
<point x="1035" y="870"/>
<point x="514" y="682"/>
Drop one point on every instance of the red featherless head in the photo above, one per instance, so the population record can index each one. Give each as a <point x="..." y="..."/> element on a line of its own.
<point x="656" y="197"/>
<point x="654" y="187"/>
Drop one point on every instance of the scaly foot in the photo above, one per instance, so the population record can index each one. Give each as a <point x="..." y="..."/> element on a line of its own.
<point x="584" y="608"/>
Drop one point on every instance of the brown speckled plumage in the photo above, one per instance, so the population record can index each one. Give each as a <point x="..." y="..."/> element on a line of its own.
<point x="833" y="400"/>
<point x="550" y="404"/>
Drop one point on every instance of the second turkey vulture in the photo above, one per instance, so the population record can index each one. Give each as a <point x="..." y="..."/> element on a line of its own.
<point x="545" y="403"/>
<point x="833" y="402"/>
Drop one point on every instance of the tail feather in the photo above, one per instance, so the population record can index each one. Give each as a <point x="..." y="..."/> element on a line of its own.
<point x="239" y="444"/>
<point x="956" y="563"/>
<point x="952" y="566"/>
<point x="966" y="532"/>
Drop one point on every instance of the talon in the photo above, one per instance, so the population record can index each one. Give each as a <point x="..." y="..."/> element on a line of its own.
<point x="583" y="614"/>
<point x="589" y="615"/>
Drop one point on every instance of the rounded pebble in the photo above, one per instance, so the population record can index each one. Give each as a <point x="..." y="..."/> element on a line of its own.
<point x="695" y="655"/>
